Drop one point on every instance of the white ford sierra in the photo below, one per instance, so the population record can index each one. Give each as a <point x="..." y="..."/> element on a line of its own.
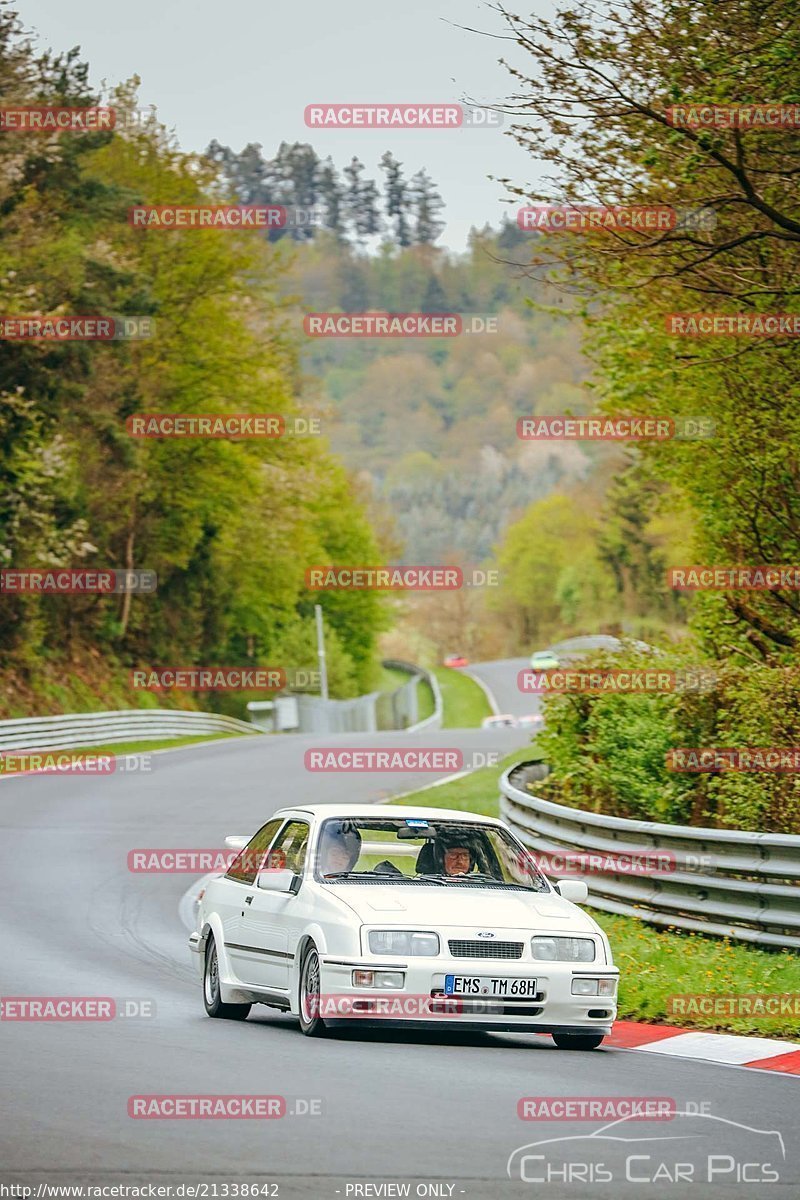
<point x="397" y="915"/>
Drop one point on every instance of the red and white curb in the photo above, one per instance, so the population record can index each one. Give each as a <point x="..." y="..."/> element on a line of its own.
<point x="733" y="1049"/>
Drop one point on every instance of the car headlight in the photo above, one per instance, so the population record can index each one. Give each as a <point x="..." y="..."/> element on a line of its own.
<point x="403" y="941"/>
<point x="563" y="949"/>
<point x="594" y="987"/>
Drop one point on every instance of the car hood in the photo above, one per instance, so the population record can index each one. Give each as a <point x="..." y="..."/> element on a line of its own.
<point x="455" y="905"/>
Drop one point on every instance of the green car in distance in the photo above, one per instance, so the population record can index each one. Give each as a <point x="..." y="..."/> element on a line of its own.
<point x="544" y="660"/>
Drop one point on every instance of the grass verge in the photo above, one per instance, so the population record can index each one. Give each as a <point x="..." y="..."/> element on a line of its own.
<point x="464" y="702"/>
<point x="654" y="963"/>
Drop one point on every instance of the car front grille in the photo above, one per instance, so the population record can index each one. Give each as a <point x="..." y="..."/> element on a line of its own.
<point x="462" y="948"/>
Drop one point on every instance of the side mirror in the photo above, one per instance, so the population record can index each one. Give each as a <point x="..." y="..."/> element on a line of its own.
<point x="236" y="841"/>
<point x="278" y="881"/>
<point x="573" y="889"/>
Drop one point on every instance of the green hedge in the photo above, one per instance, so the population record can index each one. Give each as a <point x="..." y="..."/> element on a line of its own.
<point x="608" y="752"/>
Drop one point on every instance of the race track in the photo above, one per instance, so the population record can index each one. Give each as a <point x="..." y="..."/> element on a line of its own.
<point x="439" y="1109"/>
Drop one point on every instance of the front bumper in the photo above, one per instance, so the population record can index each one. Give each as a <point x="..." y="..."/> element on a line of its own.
<point x="422" y="1002"/>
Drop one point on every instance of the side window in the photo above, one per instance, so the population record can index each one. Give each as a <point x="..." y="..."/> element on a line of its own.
<point x="244" y="867"/>
<point x="290" y="848"/>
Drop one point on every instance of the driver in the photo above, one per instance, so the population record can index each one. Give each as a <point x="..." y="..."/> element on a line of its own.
<point x="339" y="848"/>
<point x="453" y="853"/>
<point x="457" y="860"/>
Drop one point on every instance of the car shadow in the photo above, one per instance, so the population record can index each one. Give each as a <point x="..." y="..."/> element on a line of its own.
<point x="283" y="1023"/>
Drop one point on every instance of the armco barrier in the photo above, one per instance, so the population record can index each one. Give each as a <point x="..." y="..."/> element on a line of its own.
<point x="418" y="674"/>
<point x="750" y="891"/>
<point x="105" y="728"/>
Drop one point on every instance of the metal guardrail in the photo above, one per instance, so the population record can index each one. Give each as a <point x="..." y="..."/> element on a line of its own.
<point x="434" y="721"/>
<point x="105" y="728"/>
<point x="727" y="882"/>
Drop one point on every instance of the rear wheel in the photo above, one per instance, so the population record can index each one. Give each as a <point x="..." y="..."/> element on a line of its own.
<point x="577" y="1041"/>
<point x="212" y="992"/>
<point x="311" y="1023"/>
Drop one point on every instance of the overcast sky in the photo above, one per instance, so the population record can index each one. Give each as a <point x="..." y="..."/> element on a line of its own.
<point x="244" y="72"/>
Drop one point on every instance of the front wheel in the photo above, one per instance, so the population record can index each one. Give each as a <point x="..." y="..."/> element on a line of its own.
<point x="311" y="1023"/>
<point x="212" y="991"/>
<point x="577" y="1041"/>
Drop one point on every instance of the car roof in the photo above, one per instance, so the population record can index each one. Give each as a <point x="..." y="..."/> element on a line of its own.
<point x="398" y="811"/>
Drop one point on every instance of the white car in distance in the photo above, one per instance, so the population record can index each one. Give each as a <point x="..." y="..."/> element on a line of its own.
<point x="393" y="915"/>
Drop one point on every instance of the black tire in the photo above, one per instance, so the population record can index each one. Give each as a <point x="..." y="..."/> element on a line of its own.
<point x="311" y="1023"/>
<point x="577" y="1041"/>
<point x="211" y="989"/>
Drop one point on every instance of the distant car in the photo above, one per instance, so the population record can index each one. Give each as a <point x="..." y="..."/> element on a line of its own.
<point x="456" y="660"/>
<point x="387" y="915"/>
<point x="544" y="660"/>
<point x="531" y="721"/>
<point x="500" y="721"/>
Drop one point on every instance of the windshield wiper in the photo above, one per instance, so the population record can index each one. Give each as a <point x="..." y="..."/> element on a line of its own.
<point x="479" y="877"/>
<point x="383" y="876"/>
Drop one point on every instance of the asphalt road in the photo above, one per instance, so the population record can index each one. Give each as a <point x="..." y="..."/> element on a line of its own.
<point x="430" y="1110"/>
<point x="501" y="676"/>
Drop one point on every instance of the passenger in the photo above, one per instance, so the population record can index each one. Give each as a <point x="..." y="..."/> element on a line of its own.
<point x="339" y="849"/>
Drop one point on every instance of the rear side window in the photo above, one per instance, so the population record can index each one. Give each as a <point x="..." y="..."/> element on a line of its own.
<point x="245" y="866"/>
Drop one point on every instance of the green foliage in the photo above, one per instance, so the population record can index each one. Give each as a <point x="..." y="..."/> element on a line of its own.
<point x="608" y="752"/>
<point x="552" y="579"/>
<point x="609" y="135"/>
<point x="228" y="526"/>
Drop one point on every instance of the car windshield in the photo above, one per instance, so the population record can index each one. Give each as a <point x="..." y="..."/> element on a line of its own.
<point x="406" y="851"/>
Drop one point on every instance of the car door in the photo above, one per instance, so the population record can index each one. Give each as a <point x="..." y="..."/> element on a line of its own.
<point x="268" y="917"/>
<point x="231" y="892"/>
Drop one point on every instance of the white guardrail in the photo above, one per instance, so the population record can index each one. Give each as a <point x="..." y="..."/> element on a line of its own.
<point x="418" y="675"/>
<point x="727" y="882"/>
<point x="105" y="728"/>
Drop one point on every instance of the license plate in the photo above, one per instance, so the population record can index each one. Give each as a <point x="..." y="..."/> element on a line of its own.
<point x="487" y="985"/>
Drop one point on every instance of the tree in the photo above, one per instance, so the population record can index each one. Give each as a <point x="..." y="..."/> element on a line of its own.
<point x="596" y="104"/>
<point x="427" y="204"/>
<point x="398" y="201"/>
<point x="361" y="202"/>
<point x="228" y="526"/>
<point x="332" y="196"/>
